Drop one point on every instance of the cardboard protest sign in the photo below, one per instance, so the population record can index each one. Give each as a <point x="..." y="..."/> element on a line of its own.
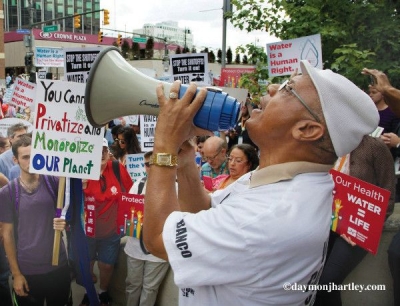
<point x="285" y="56"/>
<point x="64" y="143"/>
<point x="359" y="210"/>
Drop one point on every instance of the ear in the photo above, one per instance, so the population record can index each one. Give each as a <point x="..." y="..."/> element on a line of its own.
<point x="15" y="160"/>
<point x="308" y="130"/>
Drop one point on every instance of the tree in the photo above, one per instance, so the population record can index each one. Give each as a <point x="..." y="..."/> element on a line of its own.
<point x="135" y="51"/>
<point x="149" y="52"/>
<point x="229" y="56"/>
<point x="219" y="56"/>
<point x="178" y="50"/>
<point x="237" y="59"/>
<point x="125" y="49"/>
<point x="367" y="31"/>
<point x="245" y="60"/>
<point x="211" y="57"/>
<point x="194" y="50"/>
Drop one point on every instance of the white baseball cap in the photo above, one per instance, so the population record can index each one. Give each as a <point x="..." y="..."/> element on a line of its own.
<point x="105" y="142"/>
<point x="349" y="112"/>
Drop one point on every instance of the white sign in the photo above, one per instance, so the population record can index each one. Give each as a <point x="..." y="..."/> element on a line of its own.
<point x="147" y="129"/>
<point x="285" y="56"/>
<point x="64" y="143"/>
<point x="135" y="166"/>
<point x="78" y="63"/>
<point x="23" y="94"/>
<point x="190" y="67"/>
<point x="49" y="57"/>
<point x="7" y="122"/>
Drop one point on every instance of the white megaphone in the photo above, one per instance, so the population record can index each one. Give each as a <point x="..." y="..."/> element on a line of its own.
<point x="115" y="89"/>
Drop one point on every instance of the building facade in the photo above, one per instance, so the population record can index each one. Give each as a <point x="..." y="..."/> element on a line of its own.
<point x="19" y="14"/>
<point x="170" y="31"/>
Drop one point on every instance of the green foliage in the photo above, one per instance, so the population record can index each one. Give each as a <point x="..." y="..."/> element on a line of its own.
<point x="211" y="57"/>
<point x="149" y="51"/>
<point x="237" y="59"/>
<point x="219" y="56"/>
<point x="229" y="56"/>
<point x="125" y="49"/>
<point x="354" y="34"/>
<point x="135" y="51"/>
<point x="193" y="50"/>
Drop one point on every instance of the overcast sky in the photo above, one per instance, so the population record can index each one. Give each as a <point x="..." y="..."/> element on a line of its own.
<point x="203" y="17"/>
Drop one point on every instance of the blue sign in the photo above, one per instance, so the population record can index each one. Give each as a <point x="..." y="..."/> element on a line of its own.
<point x="23" y="31"/>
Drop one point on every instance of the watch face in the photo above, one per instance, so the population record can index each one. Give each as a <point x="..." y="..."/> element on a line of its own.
<point x="164" y="159"/>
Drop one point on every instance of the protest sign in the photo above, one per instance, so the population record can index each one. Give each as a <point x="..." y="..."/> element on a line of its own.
<point x="230" y="77"/>
<point x="78" y="63"/>
<point x="147" y="129"/>
<point x="49" y="57"/>
<point x="190" y="67"/>
<point x="359" y="210"/>
<point x="135" y="166"/>
<point x="284" y="56"/>
<point x="130" y="214"/>
<point x="64" y="143"/>
<point x="23" y="94"/>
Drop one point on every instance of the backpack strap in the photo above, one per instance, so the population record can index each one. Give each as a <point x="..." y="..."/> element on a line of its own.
<point x="141" y="185"/>
<point x="116" y="170"/>
<point x="14" y="196"/>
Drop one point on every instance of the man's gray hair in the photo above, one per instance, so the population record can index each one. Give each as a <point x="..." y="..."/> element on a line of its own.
<point x="14" y="128"/>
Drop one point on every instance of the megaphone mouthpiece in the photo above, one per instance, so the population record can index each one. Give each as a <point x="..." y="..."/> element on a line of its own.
<point x="130" y="92"/>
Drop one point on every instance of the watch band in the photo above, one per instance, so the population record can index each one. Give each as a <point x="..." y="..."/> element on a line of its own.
<point x="163" y="160"/>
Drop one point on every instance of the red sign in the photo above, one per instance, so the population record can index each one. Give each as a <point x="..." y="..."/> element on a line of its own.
<point x="130" y="214"/>
<point x="230" y="77"/>
<point x="359" y="210"/>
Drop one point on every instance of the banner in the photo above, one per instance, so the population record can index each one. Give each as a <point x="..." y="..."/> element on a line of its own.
<point x="130" y="214"/>
<point x="23" y="94"/>
<point x="230" y="77"/>
<point x="147" y="130"/>
<point x="359" y="210"/>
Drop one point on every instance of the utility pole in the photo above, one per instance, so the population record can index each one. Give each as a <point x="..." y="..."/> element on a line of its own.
<point x="227" y="7"/>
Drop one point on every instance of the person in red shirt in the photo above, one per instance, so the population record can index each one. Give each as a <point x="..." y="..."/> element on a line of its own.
<point x="101" y="206"/>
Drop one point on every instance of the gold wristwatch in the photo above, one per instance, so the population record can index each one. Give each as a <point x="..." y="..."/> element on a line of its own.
<point x="163" y="159"/>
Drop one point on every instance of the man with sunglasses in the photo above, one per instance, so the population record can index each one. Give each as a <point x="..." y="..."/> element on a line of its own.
<point x="101" y="200"/>
<point x="263" y="239"/>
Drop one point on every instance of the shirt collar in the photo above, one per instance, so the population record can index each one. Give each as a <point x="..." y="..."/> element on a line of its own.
<point x="285" y="171"/>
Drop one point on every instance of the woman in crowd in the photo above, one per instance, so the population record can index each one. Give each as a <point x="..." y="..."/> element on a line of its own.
<point x="242" y="159"/>
<point x="127" y="143"/>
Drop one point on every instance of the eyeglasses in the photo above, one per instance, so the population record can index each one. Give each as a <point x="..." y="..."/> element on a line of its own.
<point x="121" y="141"/>
<point x="212" y="158"/>
<point x="147" y="164"/>
<point x="236" y="160"/>
<point x="285" y="85"/>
